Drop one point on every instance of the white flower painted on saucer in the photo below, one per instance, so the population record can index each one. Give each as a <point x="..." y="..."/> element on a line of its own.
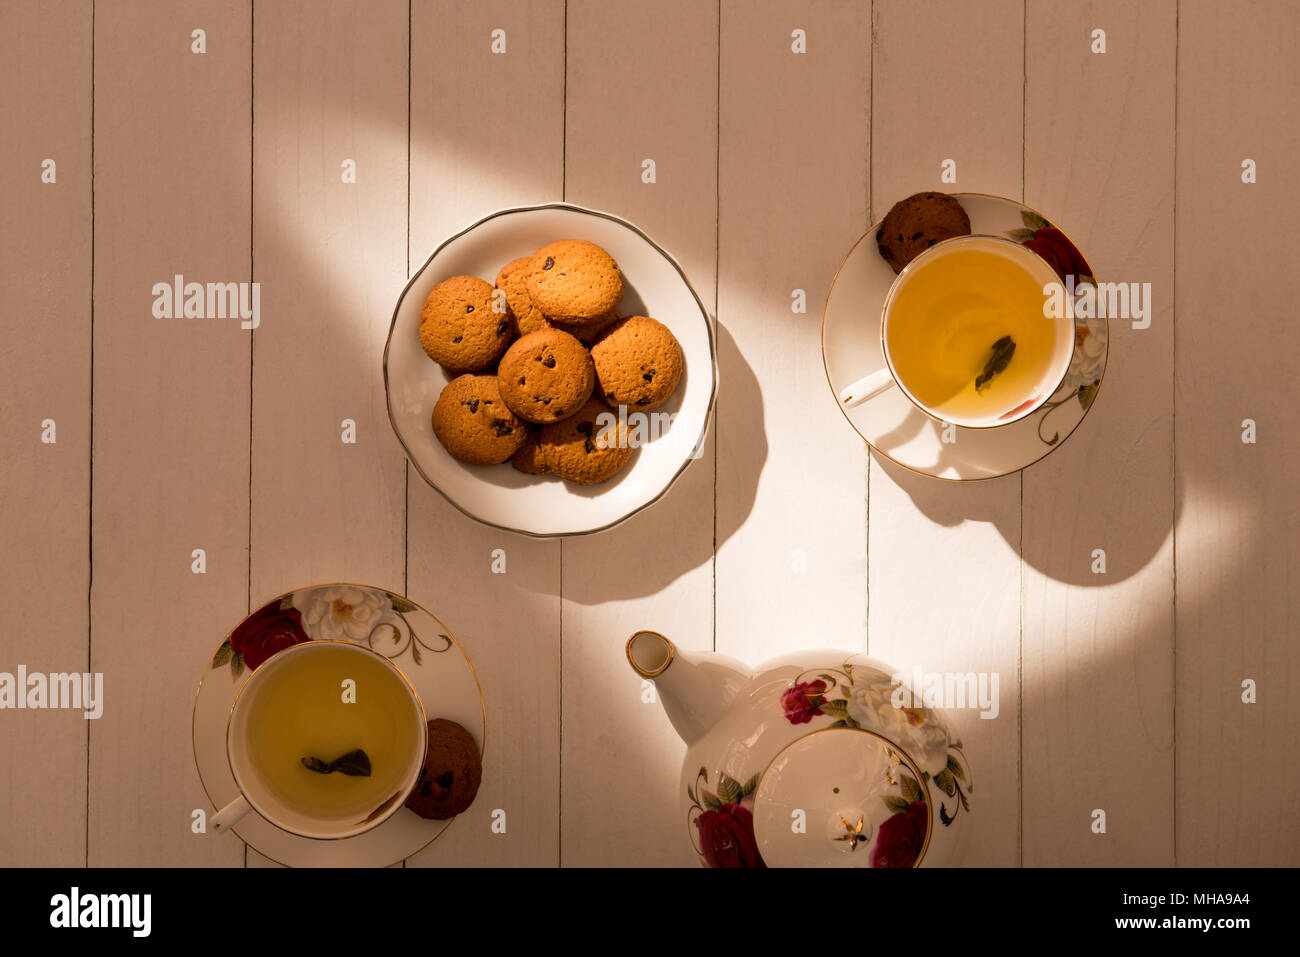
<point x="1089" y="351"/>
<point x="342" y="612"/>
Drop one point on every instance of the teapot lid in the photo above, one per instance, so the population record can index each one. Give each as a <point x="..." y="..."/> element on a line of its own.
<point x="842" y="797"/>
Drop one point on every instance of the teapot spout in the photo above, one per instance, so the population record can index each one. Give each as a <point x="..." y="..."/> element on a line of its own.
<point x="696" y="687"/>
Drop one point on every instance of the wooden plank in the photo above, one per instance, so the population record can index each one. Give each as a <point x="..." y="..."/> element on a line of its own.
<point x="642" y="84"/>
<point x="943" y="567"/>
<point x="330" y="90"/>
<point x="171" y="401"/>
<point x="1236" y="359"/>
<point x="487" y="132"/>
<point x="791" y="473"/>
<point x="45" y="368"/>
<point x="1098" y="647"/>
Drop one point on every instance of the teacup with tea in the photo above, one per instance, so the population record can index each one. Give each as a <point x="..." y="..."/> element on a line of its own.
<point x="325" y="740"/>
<point x="967" y="337"/>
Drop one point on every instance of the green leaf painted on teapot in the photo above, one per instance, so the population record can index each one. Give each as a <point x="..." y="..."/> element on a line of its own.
<point x="911" y="789"/>
<point x="896" y="804"/>
<point x="944" y="781"/>
<point x="728" y="790"/>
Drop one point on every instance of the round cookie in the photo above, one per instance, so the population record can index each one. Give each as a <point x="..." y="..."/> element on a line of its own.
<point x="546" y="376"/>
<point x="915" y="224"/>
<point x="574" y="280"/>
<point x="512" y="281"/>
<point x="458" y="328"/>
<point x="473" y="422"/>
<point x="453" y="770"/>
<point x="638" y="363"/>
<point x="584" y="449"/>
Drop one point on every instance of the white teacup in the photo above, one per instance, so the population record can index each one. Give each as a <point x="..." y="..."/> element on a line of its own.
<point x="401" y="769"/>
<point x="1035" y="392"/>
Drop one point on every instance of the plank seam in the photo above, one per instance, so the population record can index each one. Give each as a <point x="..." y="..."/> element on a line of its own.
<point x="90" y="489"/>
<point x="1173" y="445"/>
<point x="866" y="449"/>
<point x="717" y="279"/>
<point x="564" y="171"/>
<point x="1020" y="549"/>
<point x="406" y="464"/>
<point x="252" y="275"/>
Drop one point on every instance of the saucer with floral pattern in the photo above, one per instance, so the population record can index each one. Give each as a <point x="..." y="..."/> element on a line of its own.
<point x="419" y="645"/>
<point x="897" y="429"/>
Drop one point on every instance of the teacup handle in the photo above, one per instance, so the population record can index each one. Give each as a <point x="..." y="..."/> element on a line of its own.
<point x="229" y="816"/>
<point x="866" y="388"/>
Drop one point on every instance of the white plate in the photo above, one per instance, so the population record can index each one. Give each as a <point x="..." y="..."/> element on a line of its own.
<point x="901" y="432"/>
<point x="546" y="506"/>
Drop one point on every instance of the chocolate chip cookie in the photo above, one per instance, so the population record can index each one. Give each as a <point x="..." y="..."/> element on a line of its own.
<point x="546" y="376"/>
<point x="453" y="770"/>
<point x="512" y="281"/>
<point x="574" y="280"/>
<point x="915" y="224"/>
<point x="587" y="448"/>
<point x="638" y="363"/>
<point x="473" y="422"/>
<point x="459" y="328"/>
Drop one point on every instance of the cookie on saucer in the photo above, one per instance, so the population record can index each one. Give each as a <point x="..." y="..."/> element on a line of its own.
<point x="473" y="422"/>
<point x="915" y="224"/>
<point x="546" y="376"/>
<point x="638" y="363"/>
<point x="453" y="770"/>
<point x="459" y="329"/>
<point x="587" y="448"/>
<point x="574" y="281"/>
<point x="512" y="281"/>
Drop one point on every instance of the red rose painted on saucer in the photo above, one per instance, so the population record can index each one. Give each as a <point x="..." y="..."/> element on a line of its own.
<point x="1055" y="247"/>
<point x="270" y="629"/>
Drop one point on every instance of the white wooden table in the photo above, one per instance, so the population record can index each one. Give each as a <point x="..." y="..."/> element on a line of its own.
<point x="1120" y="691"/>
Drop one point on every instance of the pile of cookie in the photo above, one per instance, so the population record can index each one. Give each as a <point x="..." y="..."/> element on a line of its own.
<point x="536" y="360"/>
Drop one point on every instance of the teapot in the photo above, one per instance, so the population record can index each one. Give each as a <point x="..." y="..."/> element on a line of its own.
<point x="814" y="759"/>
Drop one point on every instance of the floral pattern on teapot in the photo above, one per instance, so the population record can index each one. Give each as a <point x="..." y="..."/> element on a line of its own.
<point x="872" y="699"/>
<point x="721" y="819"/>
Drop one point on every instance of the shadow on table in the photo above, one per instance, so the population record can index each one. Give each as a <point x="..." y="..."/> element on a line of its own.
<point x="1084" y="495"/>
<point x="679" y="533"/>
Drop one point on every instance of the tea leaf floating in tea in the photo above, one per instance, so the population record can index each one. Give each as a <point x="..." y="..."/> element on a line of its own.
<point x="354" y="764"/>
<point x="1003" y="350"/>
